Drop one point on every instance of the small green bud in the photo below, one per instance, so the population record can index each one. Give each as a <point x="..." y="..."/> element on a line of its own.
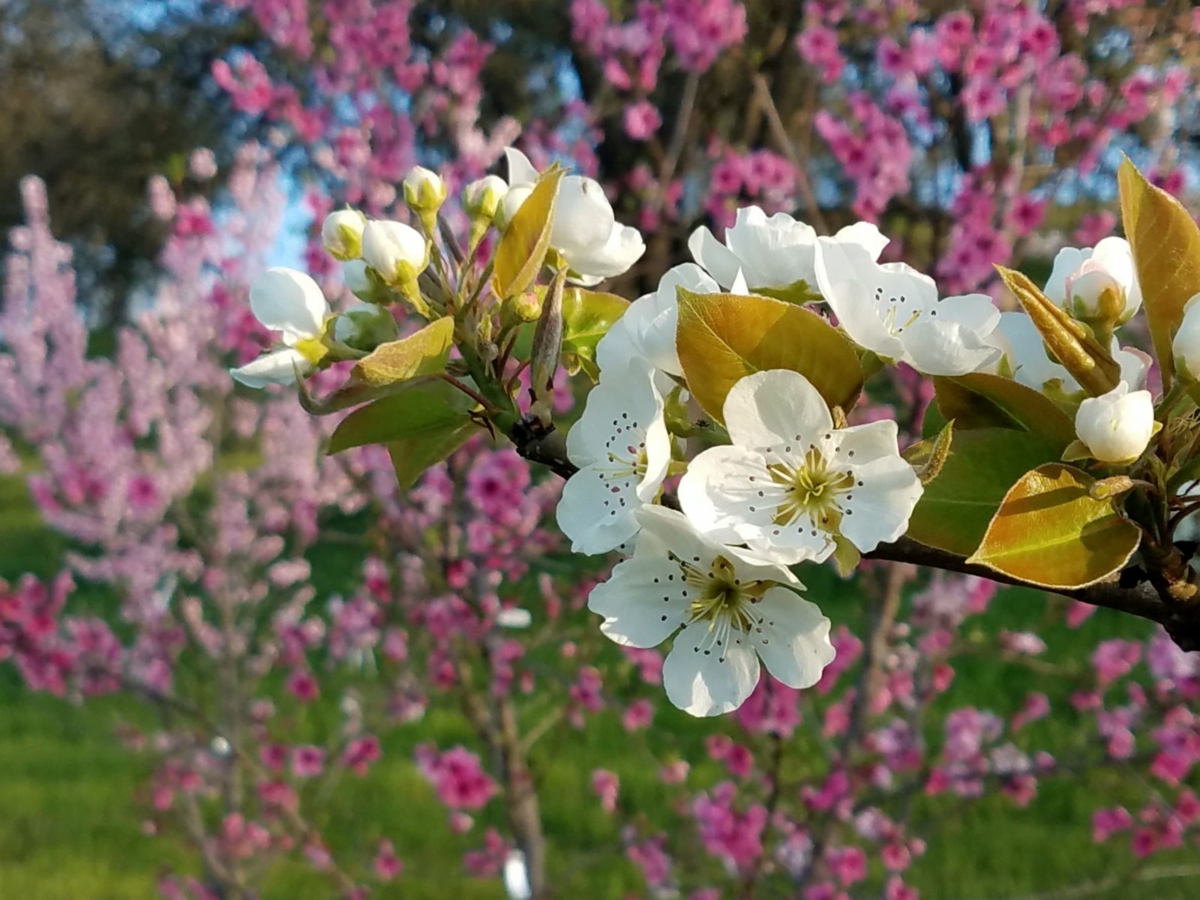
<point x="342" y="234"/>
<point x="424" y="191"/>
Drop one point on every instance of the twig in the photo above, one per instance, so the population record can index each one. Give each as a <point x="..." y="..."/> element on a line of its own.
<point x="1133" y="593"/>
<point x="812" y="212"/>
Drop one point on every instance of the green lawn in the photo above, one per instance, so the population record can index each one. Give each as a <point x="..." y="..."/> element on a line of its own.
<point x="70" y="826"/>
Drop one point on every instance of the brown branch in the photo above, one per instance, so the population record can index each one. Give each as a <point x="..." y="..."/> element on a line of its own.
<point x="1133" y="592"/>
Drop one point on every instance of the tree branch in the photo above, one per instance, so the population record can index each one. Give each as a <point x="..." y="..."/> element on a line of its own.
<point x="1133" y="592"/>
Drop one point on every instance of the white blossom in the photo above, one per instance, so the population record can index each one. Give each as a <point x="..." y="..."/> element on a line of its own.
<point x="773" y="252"/>
<point x="894" y="311"/>
<point x="1117" y="426"/>
<point x="791" y="484"/>
<point x="585" y="231"/>
<point x="1186" y="345"/>
<point x="1080" y="277"/>
<point x="291" y="303"/>
<point x="730" y="612"/>
<point x="623" y="451"/>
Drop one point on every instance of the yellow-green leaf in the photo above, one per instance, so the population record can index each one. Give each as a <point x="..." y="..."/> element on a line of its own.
<point x="421" y="424"/>
<point x="990" y="401"/>
<point x="722" y="338"/>
<point x="422" y="353"/>
<point x="1051" y="532"/>
<point x="587" y="317"/>
<point x="1166" y="252"/>
<point x="523" y="247"/>
<point x="956" y="507"/>
<point x="1071" y="342"/>
<point x="799" y="292"/>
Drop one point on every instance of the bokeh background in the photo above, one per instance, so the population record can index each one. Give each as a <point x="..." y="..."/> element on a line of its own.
<point x="186" y="144"/>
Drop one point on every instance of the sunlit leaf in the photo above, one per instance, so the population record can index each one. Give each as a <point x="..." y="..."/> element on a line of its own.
<point x="1051" y="532"/>
<point x="990" y="401"/>
<point x="587" y="317"/>
<point x="421" y="425"/>
<point x="523" y="247"/>
<point x="724" y="337"/>
<point x="799" y="292"/>
<point x="1166" y="251"/>
<point x="422" y="353"/>
<point x="957" y="506"/>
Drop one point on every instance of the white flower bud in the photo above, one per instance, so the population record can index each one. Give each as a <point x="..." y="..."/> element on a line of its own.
<point x="396" y="251"/>
<point x="482" y="198"/>
<point x="1117" y="426"/>
<point x="1186" y="345"/>
<point x="354" y="276"/>
<point x="1097" y="285"/>
<point x="342" y="234"/>
<point x="424" y="190"/>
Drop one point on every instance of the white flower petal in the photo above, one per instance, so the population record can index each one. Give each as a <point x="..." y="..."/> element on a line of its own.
<point x="866" y="234"/>
<point x="643" y="602"/>
<point x="596" y="511"/>
<point x="842" y="272"/>
<point x="794" y="643"/>
<point x="936" y="347"/>
<point x="878" y="507"/>
<point x="289" y="301"/>
<point x="520" y="169"/>
<point x="606" y="258"/>
<point x="583" y="221"/>
<point x="774" y="252"/>
<point x="706" y="680"/>
<point x="726" y="491"/>
<point x="777" y="406"/>
<point x="276" y="367"/>
<point x="1066" y="262"/>
<point x="624" y="401"/>
<point x="717" y="259"/>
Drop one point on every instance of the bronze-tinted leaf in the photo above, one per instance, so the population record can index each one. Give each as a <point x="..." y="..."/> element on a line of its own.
<point x="1051" y="532"/>
<point x="722" y="338"/>
<point x="1166" y="251"/>
<point x="523" y="247"/>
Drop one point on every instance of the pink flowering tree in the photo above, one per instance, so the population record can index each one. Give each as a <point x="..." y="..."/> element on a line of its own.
<point x="742" y="431"/>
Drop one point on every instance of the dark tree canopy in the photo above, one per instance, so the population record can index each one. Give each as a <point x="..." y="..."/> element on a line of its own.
<point x="99" y="95"/>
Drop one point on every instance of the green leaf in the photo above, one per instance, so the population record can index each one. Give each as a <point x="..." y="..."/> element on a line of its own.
<point x="1051" y="532"/>
<point x="990" y="401"/>
<point x="1165" y="242"/>
<point x="523" y="247"/>
<point x="954" y="512"/>
<point x="722" y="338"/>
<point x="422" y="425"/>
<point x="422" y="353"/>
<point x="587" y="317"/>
<point x="798" y="292"/>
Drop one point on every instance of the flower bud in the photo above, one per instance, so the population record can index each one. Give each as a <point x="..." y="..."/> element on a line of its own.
<point x="424" y="191"/>
<point x="342" y="234"/>
<point x="396" y="251"/>
<point x="520" y="308"/>
<point x="482" y="198"/>
<point x="1117" y="426"/>
<point x="1186" y="345"/>
<point x="365" y="326"/>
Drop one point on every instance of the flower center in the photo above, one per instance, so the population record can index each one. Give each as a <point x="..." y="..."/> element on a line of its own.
<point x="810" y="489"/>
<point x="897" y="311"/>
<point x="312" y="349"/>
<point x="721" y="599"/>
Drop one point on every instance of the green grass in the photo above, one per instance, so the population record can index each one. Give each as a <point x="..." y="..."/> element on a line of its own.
<point x="72" y="800"/>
